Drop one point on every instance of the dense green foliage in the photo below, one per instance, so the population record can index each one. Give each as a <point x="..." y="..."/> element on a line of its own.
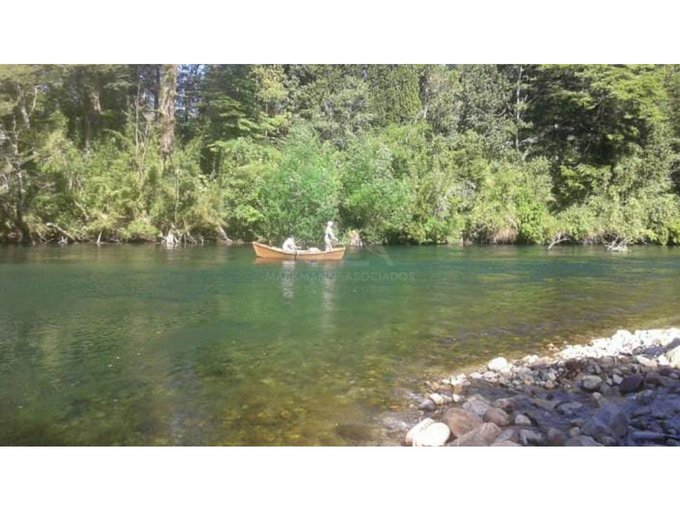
<point x="401" y="153"/>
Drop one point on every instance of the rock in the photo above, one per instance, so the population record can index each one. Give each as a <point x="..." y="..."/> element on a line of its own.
<point x="436" y="398"/>
<point x="648" y="436"/>
<point x="630" y="384"/>
<point x="521" y="419"/>
<point x="548" y="405"/>
<point x="355" y="432"/>
<point x="609" y="421"/>
<point x="555" y="437"/>
<point x="569" y="407"/>
<point x="645" y="397"/>
<point x="574" y="431"/>
<point x="582" y="441"/>
<point x="394" y="424"/>
<point x="605" y="389"/>
<point x="645" y="361"/>
<point x="509" y="434"/>
<point x="477" y="404"/>
<point x="460" y="421"/>
<point x="505" y="443"/>
<point x="498" y="416"/>
<point x="673" y="357"/>
<point x="427" y="405"/>
<point x="497" y="364"/>
<point x="490" y="376"/>
<point x="483" y="435"/>
<point x="616" y="379"/>
<point x="596" y="398"/>
<point x="549" y="385"/>
<point x="417" y="428"/>
<point x="530" y="437"/>
<point x="608" y="441"/>
<point x="652" y="380"/>
<point x="428" y="433"/>
<point x="591" y="382"/>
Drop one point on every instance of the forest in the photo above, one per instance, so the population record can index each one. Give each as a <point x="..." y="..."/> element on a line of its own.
<point x="400" y="154"/>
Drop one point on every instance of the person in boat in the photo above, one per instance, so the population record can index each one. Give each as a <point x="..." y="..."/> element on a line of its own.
<point x="289" y="244"/>
<point x="329" y="237"/>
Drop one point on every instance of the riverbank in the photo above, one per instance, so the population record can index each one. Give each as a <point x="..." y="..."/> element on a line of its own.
<point x="623" y="390"/>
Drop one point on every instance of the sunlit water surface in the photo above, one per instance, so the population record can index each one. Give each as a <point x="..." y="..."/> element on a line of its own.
<point x="138" y="345"/>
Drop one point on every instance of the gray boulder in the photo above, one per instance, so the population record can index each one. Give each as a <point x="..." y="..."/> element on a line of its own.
<point x="484" y="435"/>
<point x="477" y="404"/>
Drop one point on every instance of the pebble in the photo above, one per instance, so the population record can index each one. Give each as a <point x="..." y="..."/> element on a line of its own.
<point x="591" y="382"/>
<point x="521" y="419"/>
<point x="427" y="405"/>
<point x="436" y="398"/>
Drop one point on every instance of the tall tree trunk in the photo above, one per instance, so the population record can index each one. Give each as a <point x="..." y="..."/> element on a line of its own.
<point x="168" y="92"/>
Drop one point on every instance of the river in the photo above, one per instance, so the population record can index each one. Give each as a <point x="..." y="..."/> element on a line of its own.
<point x="140" y="345"/>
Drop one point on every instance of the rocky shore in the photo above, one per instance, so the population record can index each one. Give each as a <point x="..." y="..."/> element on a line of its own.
<point x="617" y="391"/>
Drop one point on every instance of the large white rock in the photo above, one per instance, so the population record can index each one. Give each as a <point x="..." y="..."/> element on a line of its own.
<point x="428" y="433"/>
<point x="497" y="364"/>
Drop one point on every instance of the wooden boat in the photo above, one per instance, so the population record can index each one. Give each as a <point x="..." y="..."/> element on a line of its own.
<point x="270" y="252"/>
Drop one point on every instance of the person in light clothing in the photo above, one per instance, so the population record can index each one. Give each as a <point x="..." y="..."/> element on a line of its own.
<point x="289" y="244"/>
<point x="329" y="237"/>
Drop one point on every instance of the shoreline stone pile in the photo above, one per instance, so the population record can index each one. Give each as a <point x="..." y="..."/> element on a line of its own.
<point x="616" y="391"/>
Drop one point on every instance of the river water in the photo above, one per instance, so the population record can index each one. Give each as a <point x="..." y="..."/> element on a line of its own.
<point x="139" y="345"/>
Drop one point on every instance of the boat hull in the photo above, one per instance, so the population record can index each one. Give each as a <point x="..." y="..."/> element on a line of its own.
<point x="269" y="252"/>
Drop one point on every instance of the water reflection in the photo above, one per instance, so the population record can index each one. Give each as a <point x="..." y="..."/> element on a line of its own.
<point x="288" y="279"/>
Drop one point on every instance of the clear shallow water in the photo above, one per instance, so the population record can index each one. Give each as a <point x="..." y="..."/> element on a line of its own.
<point x="140" y="345"/>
